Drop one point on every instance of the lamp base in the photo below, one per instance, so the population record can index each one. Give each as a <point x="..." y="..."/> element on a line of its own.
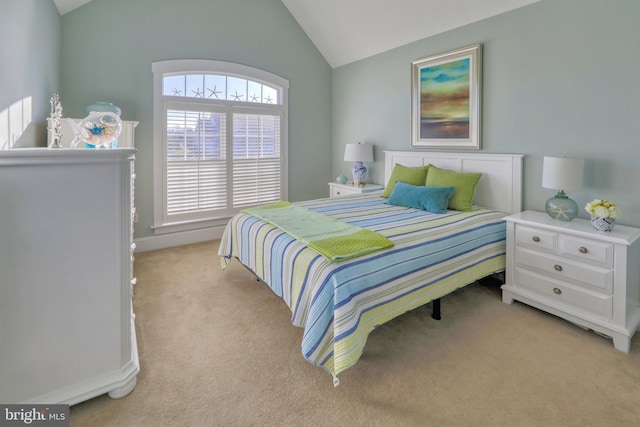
<point x="359" y="171"/>
<point x="561" y="207"/>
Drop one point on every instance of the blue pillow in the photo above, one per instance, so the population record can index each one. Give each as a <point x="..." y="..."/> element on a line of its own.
<point x="432" y="199"/>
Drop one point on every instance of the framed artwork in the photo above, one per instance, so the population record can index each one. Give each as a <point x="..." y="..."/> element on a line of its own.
<point x="445" y="98"/>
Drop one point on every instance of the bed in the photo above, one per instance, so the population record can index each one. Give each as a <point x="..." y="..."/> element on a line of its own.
<point x="339" y="303"/>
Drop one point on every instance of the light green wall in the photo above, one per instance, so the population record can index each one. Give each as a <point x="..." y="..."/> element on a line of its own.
<point x="29" y="69"/>
<point x="109" y="45"/>
<point x="561" y="78"/>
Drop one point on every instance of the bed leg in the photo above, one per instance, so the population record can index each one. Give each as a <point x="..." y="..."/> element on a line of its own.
<point x="435" y="307"/>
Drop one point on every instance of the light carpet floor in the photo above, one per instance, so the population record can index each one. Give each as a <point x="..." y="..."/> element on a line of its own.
<point x="218" y="349"/>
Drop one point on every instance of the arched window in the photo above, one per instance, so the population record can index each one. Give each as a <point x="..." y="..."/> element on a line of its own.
<point x="219" y="141"/>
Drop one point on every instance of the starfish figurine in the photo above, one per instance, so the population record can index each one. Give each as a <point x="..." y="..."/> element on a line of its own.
<point x="214" y="92"/>
<point x="95" y="130"/>
<point x="560" y="213"/>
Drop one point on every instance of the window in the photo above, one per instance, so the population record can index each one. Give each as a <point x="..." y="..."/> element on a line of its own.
<point x="219" y="141"/>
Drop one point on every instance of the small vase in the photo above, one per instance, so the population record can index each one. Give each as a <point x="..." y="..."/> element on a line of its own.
<point x="341" y="179"/>
<point x="603" y="224"/>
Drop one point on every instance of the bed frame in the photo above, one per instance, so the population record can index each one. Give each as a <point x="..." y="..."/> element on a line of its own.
<point x="500" y="187"/>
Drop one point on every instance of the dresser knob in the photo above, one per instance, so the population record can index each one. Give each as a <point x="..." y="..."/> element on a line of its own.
<point x="557" y="291"/>
<point x="583" y="250"/>
<point x="536" y="239"/>
<point x="557" y="267"/>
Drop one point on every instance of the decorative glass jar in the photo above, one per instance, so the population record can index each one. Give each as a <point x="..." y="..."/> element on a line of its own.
<point x="103" y="107"/>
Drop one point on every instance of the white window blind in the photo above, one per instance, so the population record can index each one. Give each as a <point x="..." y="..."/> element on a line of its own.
<point x="196" y="161"/>
<point x="219" y="141"/>
<point x="256" y="159"/>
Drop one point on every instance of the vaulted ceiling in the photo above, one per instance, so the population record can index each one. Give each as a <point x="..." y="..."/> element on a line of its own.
<point x="66" y="6"/>
<point x="345" y="31"/>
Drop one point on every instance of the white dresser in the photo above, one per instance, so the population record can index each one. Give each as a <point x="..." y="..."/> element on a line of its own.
<point x="569" y="269"/>
<point x="67" y="331"/>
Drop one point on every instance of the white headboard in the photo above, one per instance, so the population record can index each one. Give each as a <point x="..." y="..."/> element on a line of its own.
<point x="500" y="187"/>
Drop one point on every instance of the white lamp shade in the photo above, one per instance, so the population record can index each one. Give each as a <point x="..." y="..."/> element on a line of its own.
<point x="358" y="153"/>
<point x="562" y="173"/>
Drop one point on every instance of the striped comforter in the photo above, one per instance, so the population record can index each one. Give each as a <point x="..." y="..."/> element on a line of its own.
<point x="339" y="304"/>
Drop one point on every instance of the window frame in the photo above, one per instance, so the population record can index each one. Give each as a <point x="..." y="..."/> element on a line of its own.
<point x="160" y="69"/>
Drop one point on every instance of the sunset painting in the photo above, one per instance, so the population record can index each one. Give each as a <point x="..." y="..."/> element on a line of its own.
<point x="446" y="99"/>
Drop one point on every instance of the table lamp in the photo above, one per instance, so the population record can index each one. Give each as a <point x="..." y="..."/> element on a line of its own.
<point x="358" y="153"/>
<point x="562" y="173"/>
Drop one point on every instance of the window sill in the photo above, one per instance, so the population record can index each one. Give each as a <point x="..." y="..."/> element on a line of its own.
<point x="175" y="227"/>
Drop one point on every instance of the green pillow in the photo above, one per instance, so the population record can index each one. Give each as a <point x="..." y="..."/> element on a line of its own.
<point x="465" y="184"/>
<point x="414" y="175"/>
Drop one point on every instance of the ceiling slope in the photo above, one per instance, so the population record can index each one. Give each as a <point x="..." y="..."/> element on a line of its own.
<point x="345" y="31"/>
<point x="66" y="6"/>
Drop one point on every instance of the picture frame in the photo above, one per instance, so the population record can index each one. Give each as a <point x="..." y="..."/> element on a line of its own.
<point x="446" y="99"/>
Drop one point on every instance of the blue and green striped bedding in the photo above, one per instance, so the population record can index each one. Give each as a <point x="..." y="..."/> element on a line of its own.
<point x="339" y="303"/>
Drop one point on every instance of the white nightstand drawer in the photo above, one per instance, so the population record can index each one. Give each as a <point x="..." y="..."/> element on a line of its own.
<point x="536" y="238"/>
<point x="337" y="192"/>
<point x="564" y="293"/>
<point x="586" y="250"/>
<point x="599" y="279"/>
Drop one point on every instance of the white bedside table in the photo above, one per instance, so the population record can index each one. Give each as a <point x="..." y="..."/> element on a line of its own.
<point x="589" y="277"/>
<point x="337" y="190"/>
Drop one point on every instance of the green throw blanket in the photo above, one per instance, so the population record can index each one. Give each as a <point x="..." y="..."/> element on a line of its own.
<point x="335" y="239"/>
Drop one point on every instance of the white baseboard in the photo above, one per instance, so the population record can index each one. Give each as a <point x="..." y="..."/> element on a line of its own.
<point x="152" y="243"/>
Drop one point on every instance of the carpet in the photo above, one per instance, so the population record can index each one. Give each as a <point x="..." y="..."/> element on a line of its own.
<point x="218" y="349"/>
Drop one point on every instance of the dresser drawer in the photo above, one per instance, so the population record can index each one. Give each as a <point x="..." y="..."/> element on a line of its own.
<point x="593" y="277"/>
<point x="586" y="250"/>
<point x="564" y="293"/>
<point x="535" y="238"/>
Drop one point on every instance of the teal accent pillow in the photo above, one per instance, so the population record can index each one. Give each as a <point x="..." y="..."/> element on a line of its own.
<point x="465" y="184"/>
<point x="432" y="199"/>
<point x="414" y="175"/>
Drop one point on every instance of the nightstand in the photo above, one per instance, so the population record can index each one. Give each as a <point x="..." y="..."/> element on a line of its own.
<point x="589" y="277"/>
<point x="336" y="190"/>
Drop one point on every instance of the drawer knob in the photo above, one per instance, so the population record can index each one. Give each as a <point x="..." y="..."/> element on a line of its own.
<point x="338" y="193"/>
<point x="557" y="267"/>
<point x="536" y="239"/>
<point x="583" y="250"/>
<point x="557" y="291"/>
